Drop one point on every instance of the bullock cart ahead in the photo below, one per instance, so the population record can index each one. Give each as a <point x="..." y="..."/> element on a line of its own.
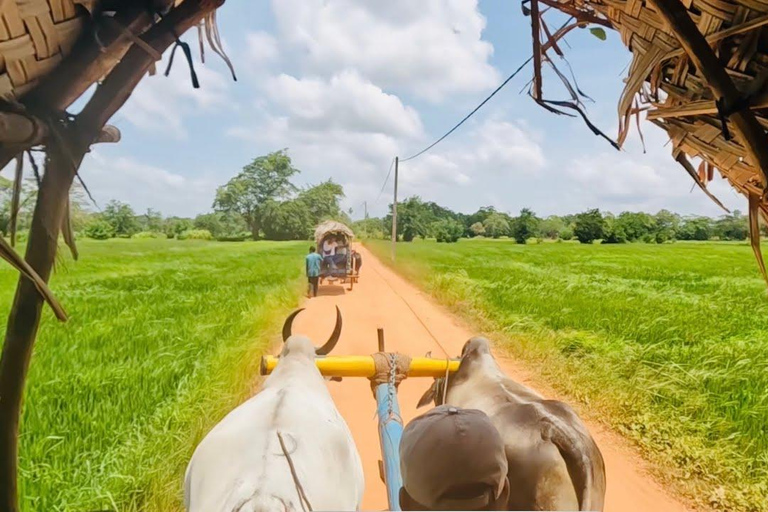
<point x="333" y="240"/>
<point x="385" y="370"/>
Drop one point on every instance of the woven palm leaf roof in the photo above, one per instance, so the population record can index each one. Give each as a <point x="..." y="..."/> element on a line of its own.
<point x="35" y="35"/>
<point x="332" y="227"/>
<point x="663" y="81"/>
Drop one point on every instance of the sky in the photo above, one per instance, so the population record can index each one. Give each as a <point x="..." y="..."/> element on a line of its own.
<point x="347" y="85"/>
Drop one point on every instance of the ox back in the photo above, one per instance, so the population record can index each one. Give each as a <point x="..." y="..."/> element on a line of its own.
<point x="554" y="464"/>
<point x="241" y="465"/>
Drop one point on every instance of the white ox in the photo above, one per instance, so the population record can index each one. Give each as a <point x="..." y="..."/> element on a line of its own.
<point x="241" y="465"/>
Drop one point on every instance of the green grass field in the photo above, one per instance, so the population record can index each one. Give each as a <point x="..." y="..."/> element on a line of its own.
<point x="667" y="343"/>
<point x="163" y="340"/>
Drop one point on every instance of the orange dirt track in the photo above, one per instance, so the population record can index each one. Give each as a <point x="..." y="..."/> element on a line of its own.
<point x="383" y="299"/>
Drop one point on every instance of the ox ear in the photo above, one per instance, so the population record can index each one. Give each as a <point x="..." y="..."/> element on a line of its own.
<point x="428" y="396"/>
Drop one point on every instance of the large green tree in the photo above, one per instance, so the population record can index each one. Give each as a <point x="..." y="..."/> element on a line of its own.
<point x="413" y="219"/>
<point x="265" y="179"/>
<point x="221" y="224"/>
<point x="151" y="220"/>
<point x="322" y="201"/>
<point x="695" y="228"/>
<point x="525" y="226"/>
<point x="551" y="227"/>
<point x="496" y="225"/>
<point x="589" y="226"/>
<point x="636" y="226"/>
<point x="734" y="226"/>
<point x="287" y="220"/>
<point x="121" y="217"/>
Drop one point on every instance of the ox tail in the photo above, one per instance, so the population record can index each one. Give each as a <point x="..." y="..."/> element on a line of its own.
<point x="576" y="452"/>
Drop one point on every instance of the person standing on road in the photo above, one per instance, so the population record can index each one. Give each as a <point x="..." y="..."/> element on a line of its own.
<point x="313" y="261"/>
<point x="357" y="259"/>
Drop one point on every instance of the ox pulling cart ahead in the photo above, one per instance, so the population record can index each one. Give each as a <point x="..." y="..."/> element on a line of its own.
<point x="385" y="370"/>
<point x="333" y="240"/>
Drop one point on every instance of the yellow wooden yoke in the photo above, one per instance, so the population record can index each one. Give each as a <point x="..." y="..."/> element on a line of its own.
<point x="364" y="366"/>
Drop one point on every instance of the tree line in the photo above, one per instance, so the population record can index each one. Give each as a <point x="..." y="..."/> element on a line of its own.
<point x="262" y="202"/>
<point x="259" y="202"/>
<point x="426" y="219"/>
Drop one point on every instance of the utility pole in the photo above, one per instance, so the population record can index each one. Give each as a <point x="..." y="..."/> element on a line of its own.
<point x="365" y="205"/>
<point x="394" y="212"/>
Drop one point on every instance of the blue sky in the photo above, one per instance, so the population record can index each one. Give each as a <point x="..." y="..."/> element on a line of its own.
<point x="346" y="85"/>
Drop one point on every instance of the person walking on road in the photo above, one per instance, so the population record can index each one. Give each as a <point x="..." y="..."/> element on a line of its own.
<point x="357" y="260"/>
<point x="313" y="261"/>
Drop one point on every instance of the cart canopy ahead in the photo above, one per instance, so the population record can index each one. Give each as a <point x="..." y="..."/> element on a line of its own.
<point x="331" y="227"/>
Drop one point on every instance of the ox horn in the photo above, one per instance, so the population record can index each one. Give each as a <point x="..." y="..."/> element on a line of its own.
<point x="288" y="325"/>
<point x="331" y="343"/>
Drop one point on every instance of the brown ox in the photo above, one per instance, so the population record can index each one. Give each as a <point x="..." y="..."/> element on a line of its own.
<point x="553" y="462"/>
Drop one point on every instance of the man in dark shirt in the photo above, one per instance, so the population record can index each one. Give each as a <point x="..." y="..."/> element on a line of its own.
<point x="313" y="261"/>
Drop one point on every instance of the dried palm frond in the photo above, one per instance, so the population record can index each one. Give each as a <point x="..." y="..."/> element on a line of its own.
<point x="676" y="95"/>
<point x="8" y="254"/>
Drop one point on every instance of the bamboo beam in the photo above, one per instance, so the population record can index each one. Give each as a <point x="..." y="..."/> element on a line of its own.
<point x="749" y="131"/>
<point x="85" y="64"/>
<point x="88" y="61"/>
<point x="65" y="153"/>
<point x="718" y="36"/>
<point x="25" y="130"/>
<point x="24" y="318"/>
<point x="580" y="15"/>
<point x="695" y="108"/>
<point x="115" y="90"/>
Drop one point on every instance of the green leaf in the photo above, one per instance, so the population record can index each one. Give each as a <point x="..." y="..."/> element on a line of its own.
<point x="598" y="33"/>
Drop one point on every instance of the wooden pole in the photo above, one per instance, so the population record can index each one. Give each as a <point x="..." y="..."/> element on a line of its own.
<point x="695" y="44"/>
<point x="65" y="153"/>
<point x="16" y="197"/>
<point x="394" y="212"/>
<point x="26" y="311"/>
<point x="380" y="334"/>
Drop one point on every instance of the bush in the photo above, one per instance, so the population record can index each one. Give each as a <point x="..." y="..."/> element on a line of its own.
<point x="234" y="237"/>
<point x="589" y="226"/>
<point x="448" y="230"/>
<point x="149" y="234"/>
<point x="195" y="234"/>
<point x="99" y="230"/>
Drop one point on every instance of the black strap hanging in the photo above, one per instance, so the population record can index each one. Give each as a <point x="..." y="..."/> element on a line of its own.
<point x="188" y="54"/>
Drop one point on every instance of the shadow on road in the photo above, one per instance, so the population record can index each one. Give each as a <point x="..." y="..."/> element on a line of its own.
<point x="330" y="290"/>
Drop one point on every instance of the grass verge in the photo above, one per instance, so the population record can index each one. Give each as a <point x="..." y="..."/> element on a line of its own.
<point x="164" y="339"/>
<point x="667" y="344"/>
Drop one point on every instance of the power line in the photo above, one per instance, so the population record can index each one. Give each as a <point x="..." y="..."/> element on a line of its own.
<point x="389" y="173"/>
<point x="510" y="77"/>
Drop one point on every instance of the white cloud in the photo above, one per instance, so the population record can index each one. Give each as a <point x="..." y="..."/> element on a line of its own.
<point x="145" y="186"/>
<point x="262" y="48"/>
<point x="346" y="101"/>
<point x="432" y="48"/>
<point x="159" y="104"/>
<point x="630" y="180"/>
<point x="494" y="148"/>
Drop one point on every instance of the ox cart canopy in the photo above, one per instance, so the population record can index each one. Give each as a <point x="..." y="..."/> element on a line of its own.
<point x="338" y="263"/>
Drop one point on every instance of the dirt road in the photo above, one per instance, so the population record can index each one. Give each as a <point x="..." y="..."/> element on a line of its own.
<point x="408" y="316"/>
